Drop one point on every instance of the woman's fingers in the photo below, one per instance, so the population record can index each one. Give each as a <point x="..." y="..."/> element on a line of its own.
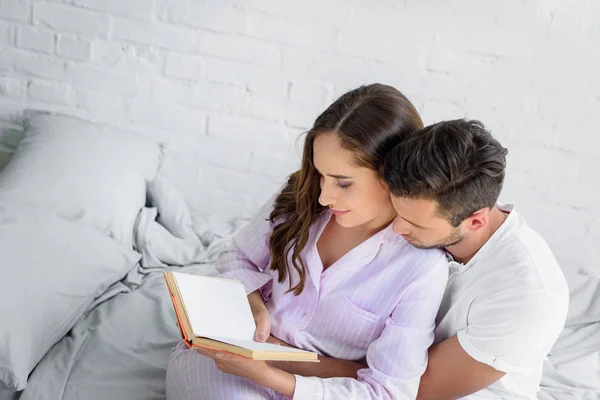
<point x="261" y="315"/>
<point x="263" y="326"/>
<point x="273" y="340"/>
<point x="207" y="352"/>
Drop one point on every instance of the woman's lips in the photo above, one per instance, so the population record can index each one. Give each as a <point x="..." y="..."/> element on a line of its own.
<point x="339" y="212"/>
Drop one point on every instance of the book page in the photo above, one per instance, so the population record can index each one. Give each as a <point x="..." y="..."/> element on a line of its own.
<point x="216" y="307"/>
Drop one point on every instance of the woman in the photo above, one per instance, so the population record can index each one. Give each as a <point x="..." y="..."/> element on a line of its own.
<point x="324" y="272"/>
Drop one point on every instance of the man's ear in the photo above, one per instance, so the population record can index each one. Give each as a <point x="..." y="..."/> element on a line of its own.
<point x="479" y="219"/>
<point x="384" y="184"/>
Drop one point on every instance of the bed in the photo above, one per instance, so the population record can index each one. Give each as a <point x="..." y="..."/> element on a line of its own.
<point x="117" y="338"/>
<point x="119" y="350"/>
<point x="105" y="221"/>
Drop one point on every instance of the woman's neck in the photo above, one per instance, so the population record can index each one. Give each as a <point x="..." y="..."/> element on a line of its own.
<point x="373" y="226"/>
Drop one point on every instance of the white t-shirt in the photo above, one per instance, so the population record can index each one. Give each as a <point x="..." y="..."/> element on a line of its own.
<point x="507" y="306"/>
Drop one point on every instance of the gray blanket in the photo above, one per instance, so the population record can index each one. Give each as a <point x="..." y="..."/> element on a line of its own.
<point x="120" y="348"/>
<point x="572" y="370"/>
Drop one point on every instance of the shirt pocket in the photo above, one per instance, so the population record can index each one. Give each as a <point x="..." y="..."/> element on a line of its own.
<point x="362" y="327"/>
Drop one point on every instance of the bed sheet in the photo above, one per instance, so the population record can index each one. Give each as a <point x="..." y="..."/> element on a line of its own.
<point x="572" y="370"/>
<point x="119" y="350"/>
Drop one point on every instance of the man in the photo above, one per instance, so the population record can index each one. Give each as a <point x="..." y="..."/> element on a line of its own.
<point x="506" y="300"/>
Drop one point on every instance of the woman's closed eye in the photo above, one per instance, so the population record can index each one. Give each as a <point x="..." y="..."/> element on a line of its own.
<point x="344" y="185"/>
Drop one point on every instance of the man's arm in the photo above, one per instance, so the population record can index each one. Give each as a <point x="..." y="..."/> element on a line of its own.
<point x="325" y="368"/>
<point x="452" y="373"/>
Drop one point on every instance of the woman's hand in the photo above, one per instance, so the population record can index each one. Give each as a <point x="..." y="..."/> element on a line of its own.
<point x="273" y="340"/>
<point x="233" y="364"/>
<point x="258" y="372"/>
<point x="262" y="318"/>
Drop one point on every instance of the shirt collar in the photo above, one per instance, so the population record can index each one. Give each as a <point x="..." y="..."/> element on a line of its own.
<point x="362" y="254"/>
<point x="510" y="220"/>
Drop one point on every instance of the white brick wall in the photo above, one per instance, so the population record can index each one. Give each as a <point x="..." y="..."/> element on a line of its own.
<point x="15" y="10"/>
<point x="65" y="18"/>
<point x="232" y="83"/>
<point x="68" y="46"/>
<point x="35" y="39"/>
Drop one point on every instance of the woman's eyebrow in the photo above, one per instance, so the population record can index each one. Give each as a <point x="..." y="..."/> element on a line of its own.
<point x="335" y="176"/>
<point x="339" y="176"/>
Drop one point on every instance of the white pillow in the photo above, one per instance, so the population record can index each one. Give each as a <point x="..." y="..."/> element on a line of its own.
<point x="51" y="271"/>
<point x="173" y="212"/>
<point x="82" y="172"/>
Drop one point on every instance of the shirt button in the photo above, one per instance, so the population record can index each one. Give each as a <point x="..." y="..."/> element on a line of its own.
<point x="304" y="314"/>
<point x="288" y="338"/>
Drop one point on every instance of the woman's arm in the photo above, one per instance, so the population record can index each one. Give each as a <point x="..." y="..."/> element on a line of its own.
<point x="247" y="261"/>
<point x="278" y="380"/>
<point x="247" y="258"/>
<point x="258" y="372"/>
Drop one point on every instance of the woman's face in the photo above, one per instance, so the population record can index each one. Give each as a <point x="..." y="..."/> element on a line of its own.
<point x="356" y="195"/>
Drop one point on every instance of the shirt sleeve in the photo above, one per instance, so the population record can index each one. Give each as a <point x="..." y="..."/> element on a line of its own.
<point x="506" y="331"/>
<point x="247" y="259"/>
<point x="397" y="359"/>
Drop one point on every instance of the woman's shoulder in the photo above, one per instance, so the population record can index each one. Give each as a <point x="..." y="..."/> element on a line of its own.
<point x="400" y="251"/>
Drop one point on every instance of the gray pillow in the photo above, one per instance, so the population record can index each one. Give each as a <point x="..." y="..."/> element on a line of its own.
<point x="84" y="172"/>
<point x="51" y="271"/>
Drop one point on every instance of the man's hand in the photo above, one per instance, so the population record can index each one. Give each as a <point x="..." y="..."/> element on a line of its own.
<point x="326" y="368"/>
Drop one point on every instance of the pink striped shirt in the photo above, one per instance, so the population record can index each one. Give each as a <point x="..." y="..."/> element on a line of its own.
<point x="377" y="304"/>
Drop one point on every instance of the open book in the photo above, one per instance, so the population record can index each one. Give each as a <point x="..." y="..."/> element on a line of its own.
<point x="214" y="313"/>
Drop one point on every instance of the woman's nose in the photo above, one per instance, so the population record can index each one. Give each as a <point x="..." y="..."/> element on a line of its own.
<point x="327" y="196"/>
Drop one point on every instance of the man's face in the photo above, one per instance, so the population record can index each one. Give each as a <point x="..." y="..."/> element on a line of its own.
<point x="419" y="223"/>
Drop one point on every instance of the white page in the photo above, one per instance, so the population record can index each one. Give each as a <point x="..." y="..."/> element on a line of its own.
<point x="216" y="307"/>
<point x="252" y="345"/>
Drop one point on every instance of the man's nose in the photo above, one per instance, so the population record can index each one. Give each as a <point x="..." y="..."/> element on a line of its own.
<point x="400" y="226"/>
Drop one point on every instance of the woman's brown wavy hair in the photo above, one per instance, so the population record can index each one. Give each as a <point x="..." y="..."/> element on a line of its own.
<point x="369" y="121"/>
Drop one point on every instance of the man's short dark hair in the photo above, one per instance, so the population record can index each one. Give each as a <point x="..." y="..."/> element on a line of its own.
<point x="456" y="163"/>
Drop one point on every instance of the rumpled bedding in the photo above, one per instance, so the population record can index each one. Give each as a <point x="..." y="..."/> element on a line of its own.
<point x="572" y="370"/>
<point x="120" y="348"/>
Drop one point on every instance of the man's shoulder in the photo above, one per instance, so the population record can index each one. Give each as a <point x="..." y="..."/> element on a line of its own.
<point x="530" y="240"/>
<point x="519" y="244"/>
<point x="523" y="260"/>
